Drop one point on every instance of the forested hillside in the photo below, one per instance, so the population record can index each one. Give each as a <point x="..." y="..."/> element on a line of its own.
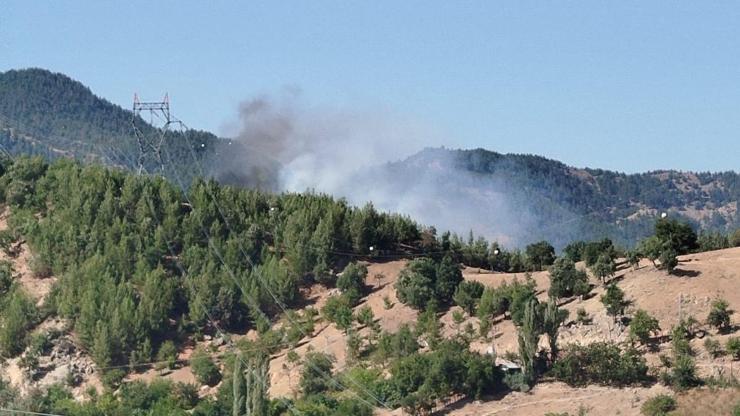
<point x="546" y="199"/>
<point x="47" y="114"/>
<point x="142" y="270"/>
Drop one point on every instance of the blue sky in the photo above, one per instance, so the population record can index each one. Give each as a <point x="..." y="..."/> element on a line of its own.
<point x="620" y="85"/>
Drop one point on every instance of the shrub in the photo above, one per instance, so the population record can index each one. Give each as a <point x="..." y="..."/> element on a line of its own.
<point x="352" y="278"/>
<point x="167" y="355"/>
<point x="113" y="378"/>
<point x="683" y="373"/>
<point x="600" y="363"/>
<point x="204" y="368"/>
<point x="713" y="347"/>
<point x="719" y="314"/>
<point x="659" y="405"/>
<point x="313" y="377"/>
<point x="185" y="395"/>
<point x="733" y="347"/>
<point x="16" y="318"/>
<point x="604" y="267"/>
<point x="582" y="317"/>
<point x="668" y="259"/>
<point x="735" y="238"/>
<point x="467" y="295"/>
<point x="642" y="326"/>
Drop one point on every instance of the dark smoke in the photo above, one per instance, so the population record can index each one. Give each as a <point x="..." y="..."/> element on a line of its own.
<point x="360" y="155"/>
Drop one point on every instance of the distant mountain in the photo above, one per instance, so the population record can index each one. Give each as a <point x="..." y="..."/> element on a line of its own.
<point x="50" y="114"/>
<point x="514" y="198"/>
<point x="532" y="197"/>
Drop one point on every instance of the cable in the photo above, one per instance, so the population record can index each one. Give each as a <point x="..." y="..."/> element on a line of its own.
<point x="246" y="256"/>
<point x="327" y="377"/>
<point x="209" y="317"/>
<point x="26" y="412"/>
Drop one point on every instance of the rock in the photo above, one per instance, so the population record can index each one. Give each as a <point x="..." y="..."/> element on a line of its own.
<point x="217" y="342"/>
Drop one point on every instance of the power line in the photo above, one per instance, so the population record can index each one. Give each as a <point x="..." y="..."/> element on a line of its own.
<point x="266" y="286"/>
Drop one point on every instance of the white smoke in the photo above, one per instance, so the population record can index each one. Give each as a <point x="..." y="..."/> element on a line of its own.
<point x="353" y="154"/>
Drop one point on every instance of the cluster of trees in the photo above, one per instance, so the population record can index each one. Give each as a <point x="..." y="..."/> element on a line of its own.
<point x="139" y="261"/>
<point x="479" y="252"/>
<point x="600" y="363"/>
<point x="425" y="280"/>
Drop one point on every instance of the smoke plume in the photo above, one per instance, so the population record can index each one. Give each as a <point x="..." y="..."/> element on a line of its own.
<point x="372" y="156"/>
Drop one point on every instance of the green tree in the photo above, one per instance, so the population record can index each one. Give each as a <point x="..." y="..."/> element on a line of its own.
<point x="566" y="280"/>
<point x="614" y="301"/>
<point x="204" y="369"/>
<point x="167" y="355"/>
<point x="552" y="318"/>
<point x="651" y="248"/>
<point x="17" y="317"/>
<point x="338" y="310"/>
<point x="604" y="268"/>
<point x="447" y="277"/>
<point x="314" y="379"/>
<point x="642" y="326"/>
<point x="676" y="234"/>
<point x="668" y="259"/>
<point x="467" y="295"/>
<point x="540" y="254"/>
<point x="415" y="285"/>
<point x="528" y="336"/>
<point x="719" y="315"/>
<point x="352" y="278"/>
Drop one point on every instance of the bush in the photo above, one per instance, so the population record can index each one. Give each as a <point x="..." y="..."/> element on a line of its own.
<point x="719" y="315"/>
<point x="582" y="316"/>
<point x="204" y="368"/>
<point x="683" y="373"/>
<point x="713" y="347"/>
<point x="735" y="238"/>
<point x="659" y="405"/>
<point x="314" y="379"/>
<point x="113" y="378"/>
<point x="668" y="259"/>
<point x="338" y="310"/>
<point x="733" y="347"/>
<point x="167" y="355"/>
<point x="352" y="278"/>
<point x="16" y="318"/>
<point x="185" y="395"/>
<point x="467" y="295"/>
<point x="604" y="267"/>
<point x="642" y="326"/>
<point x="600" y="363"/>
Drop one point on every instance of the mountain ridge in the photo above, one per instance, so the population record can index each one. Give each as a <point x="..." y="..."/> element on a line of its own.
<point x="50" y="114"/>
